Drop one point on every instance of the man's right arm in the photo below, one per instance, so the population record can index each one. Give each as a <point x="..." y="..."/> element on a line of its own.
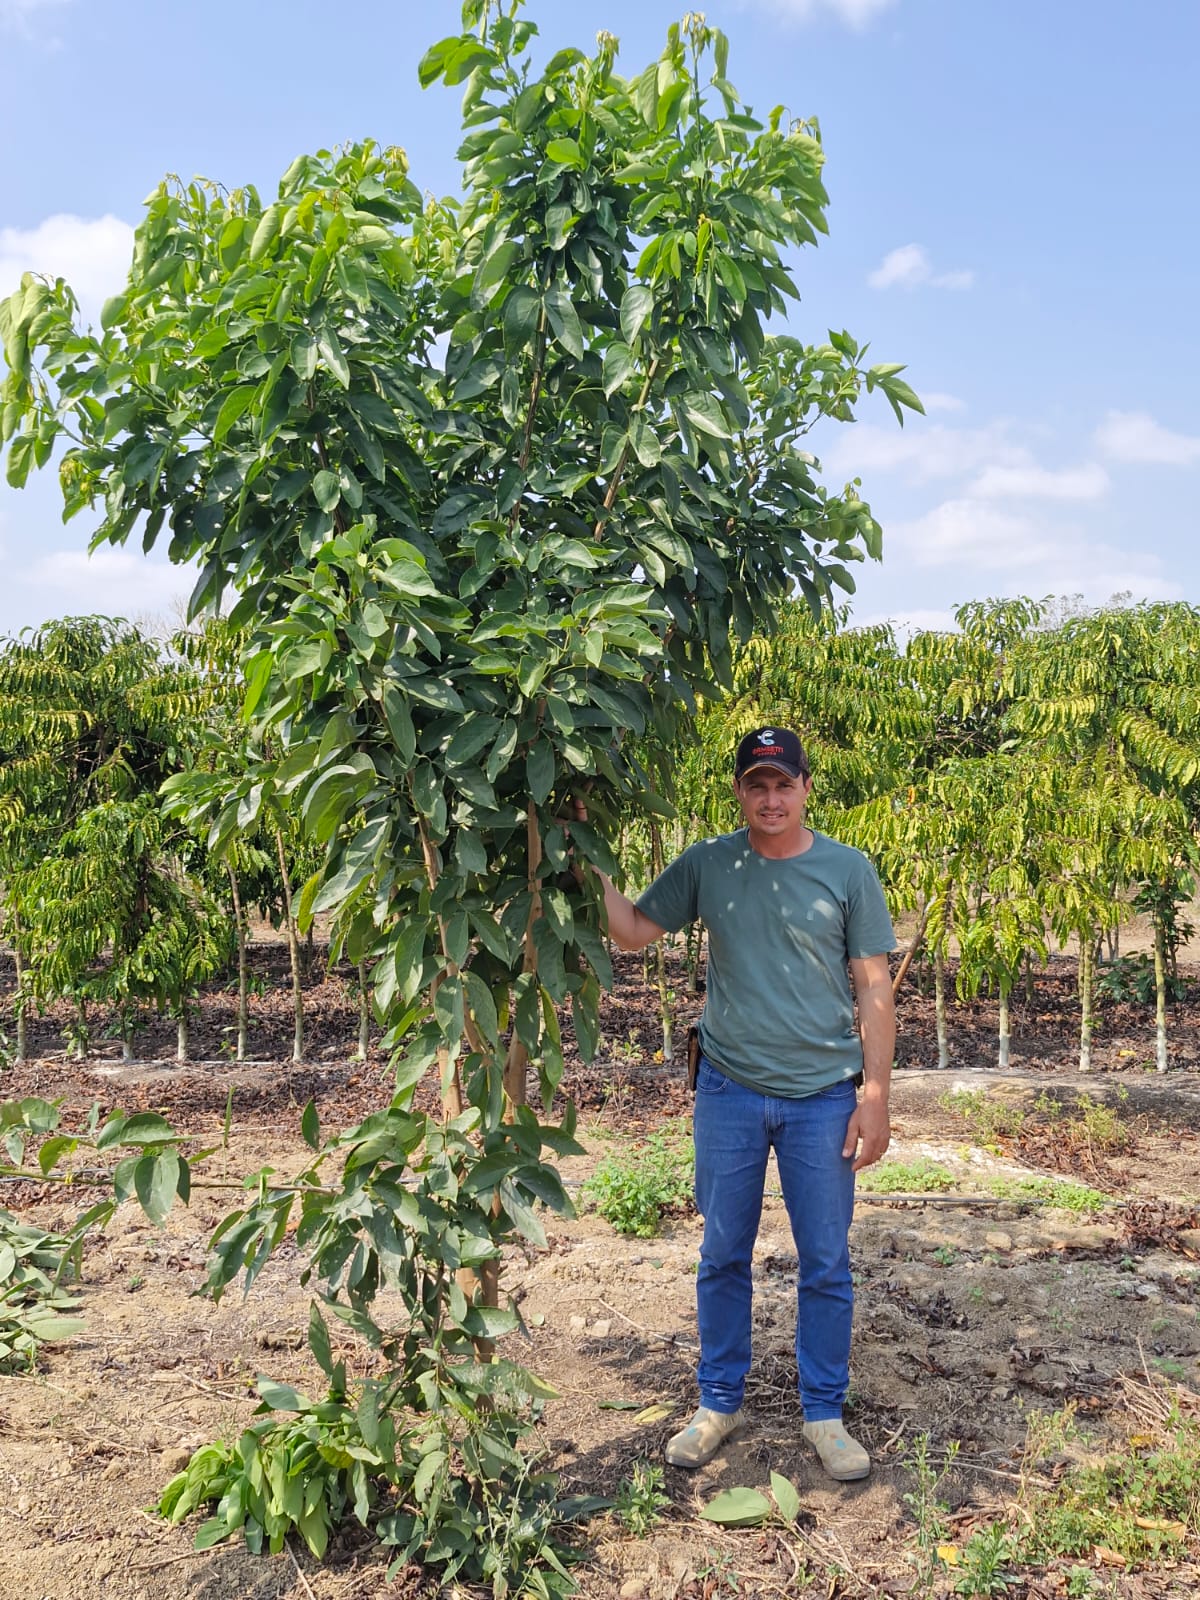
<point x="630" y="928"/>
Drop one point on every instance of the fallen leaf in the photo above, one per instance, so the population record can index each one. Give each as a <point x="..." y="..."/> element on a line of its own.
<point x="1110" y="1558"/>
<point x="655" y="1413"/>
<point x="619" y="1405"/>
<point x="1177" y="1530"/>
<point x="1141" y="1441"/>
<point x="948" y="1553"/>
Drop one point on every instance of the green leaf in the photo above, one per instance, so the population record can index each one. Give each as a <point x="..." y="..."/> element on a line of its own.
<point x="704" y="412"/>
<point x="787" y="1497"/>
<point x="409" y="956"/>
<point x="147" y="1127"/>
<point x="234" y="406"/>
<point x="211" y="1533"/>
<point x="565" y="151"/>
<point x="520" y="318"/>
<point x="318" y="1340"/>
<point x="738" y="1508"/>
<point x="281" y="1396"/>
<point x="539" y="770"/>
<point x="331" y="350"/>
<point x="564" y="319"/>
<point x="636" y="305"/>
<point x="645" y="442"/>
<point x="326" y="490"/>
<point x="267" y="230"/>
<point x="620" y="365"/>
<point x="156" y="1181"/>
<point x="310" y="1126"/>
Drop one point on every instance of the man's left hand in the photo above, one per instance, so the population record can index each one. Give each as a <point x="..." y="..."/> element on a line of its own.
<point x="868" y="1132"/>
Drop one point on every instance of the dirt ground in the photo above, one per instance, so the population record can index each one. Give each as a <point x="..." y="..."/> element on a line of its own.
<point x="970" y="1317"/>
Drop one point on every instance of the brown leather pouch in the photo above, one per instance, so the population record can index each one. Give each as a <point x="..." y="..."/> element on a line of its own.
<point x="693" y="1056"/>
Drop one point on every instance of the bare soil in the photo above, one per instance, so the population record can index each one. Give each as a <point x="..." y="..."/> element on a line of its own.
<point x="969" y="1317"/>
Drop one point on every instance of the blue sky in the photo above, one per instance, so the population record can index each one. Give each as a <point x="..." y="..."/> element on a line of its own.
<point x="1013" y="214"/>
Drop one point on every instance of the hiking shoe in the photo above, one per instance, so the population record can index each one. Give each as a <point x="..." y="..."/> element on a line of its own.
<point x="703" y="1437"/>
<point x="842" y="1457"/>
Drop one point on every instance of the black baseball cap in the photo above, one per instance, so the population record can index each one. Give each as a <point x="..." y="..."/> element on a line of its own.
<point x="771" y="747"/>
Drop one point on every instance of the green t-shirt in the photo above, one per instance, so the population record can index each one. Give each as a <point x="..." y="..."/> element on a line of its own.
<point x="779" y="1013"/>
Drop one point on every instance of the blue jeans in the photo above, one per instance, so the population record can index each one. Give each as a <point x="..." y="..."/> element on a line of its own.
<point x="735" y="1128"/>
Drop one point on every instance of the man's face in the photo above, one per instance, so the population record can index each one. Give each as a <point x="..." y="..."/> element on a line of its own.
<point x="772" y="802"/>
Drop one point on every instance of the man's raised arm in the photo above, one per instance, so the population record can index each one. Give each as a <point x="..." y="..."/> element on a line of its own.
<point x="629" y="928"/>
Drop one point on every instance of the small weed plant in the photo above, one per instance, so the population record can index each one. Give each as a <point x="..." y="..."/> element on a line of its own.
<point x="907" y="1177"/>
<point x="1140" y="1506"/>
<point x="928" y="1511"/>
<point x="632" y="1189"/>
<point x="642" y="1499"/>
<point x="1057" y="1192"/>
<point x="1142" y="1503"/>
<point x="989" y="1120"/>
<point x="1131" y="979"/>
<point x="986" y="1561"/>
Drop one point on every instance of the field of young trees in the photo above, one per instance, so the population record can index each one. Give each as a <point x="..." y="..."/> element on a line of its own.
<point x="507" y="502"/>
<point x="1026" y="785"/>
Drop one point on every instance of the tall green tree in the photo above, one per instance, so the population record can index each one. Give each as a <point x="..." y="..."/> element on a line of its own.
<point x="494" y="479"/>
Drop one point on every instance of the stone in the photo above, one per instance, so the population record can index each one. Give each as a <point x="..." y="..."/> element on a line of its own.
<point x="577" y="1324"/>
<point x="635" y="1588"/>
<point x="174" y="1461"/>
<point x="998" y="1240"/>
<point x="995" y="1298"/>
<point x="601" y="1330"/>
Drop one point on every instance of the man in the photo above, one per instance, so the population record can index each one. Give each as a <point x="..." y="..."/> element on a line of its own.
<point x="787" y="911"/>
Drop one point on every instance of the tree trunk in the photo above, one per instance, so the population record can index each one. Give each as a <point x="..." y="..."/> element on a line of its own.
<point x="1005" y="1036"/>
<point x="79" y="1053"/>
<point x="917" y="940"/>
<point x="516" y="1086"/>
<point x="1028" y="980"/>
<point x="181" y="1036"/>
<point x="939" y="1006"/>
<point x="22" y="1028"/>
<point x="293" y="953"/>
<point x="243" y="1006"/>
<point x="693" y="947"/>
<point x="1085" y="1002"/>
<point x="364" y="1012"/>
<point x="1161" y="1060"/>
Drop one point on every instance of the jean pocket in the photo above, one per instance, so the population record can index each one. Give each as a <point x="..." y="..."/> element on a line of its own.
<point x="708" y="1079"/>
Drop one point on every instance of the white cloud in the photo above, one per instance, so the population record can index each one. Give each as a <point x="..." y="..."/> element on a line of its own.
<point x="922" y="452"/>
<point x="937" y="401"/>
<point x="110" y="582"/>
<point x="1035" y="556"/>
<point x="1089" y="482"/>
<point x="1136" y="436"/>
<point x="92" y="254"/>
<point x="907" y="622"/>
<point x="17" y="16"/>
<point x="909" y="267"/>
<point x="856" y="14"/>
